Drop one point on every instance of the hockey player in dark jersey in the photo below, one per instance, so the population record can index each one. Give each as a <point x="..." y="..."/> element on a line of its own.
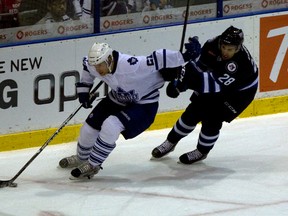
<point x="224" y="80"/>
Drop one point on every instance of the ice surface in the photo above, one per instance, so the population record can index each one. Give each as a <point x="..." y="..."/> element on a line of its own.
<point x="245" y="174"/>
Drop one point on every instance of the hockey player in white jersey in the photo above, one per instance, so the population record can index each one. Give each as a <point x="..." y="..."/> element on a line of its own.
<point x="128" y="109"/>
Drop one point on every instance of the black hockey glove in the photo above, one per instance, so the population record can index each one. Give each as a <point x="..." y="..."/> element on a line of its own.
<point x="83" y="90"/>
<point x="180" y="84"/>
<point x="170" y="74"/>
<point x="171" y="90"/>
<point x="193" y="49"/>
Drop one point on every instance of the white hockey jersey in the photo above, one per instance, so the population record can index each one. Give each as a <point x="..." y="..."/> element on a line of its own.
<point x="134" y="79"/>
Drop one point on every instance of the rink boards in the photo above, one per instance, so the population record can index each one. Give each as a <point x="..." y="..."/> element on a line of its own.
<point x="37" y="80"/>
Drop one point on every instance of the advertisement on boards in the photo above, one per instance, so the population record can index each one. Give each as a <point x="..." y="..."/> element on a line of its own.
<point x="273" y="53"/>
<point x="157" y="17"/>
<point x="37" y="81"/>
<point x="46" y="31"/>
<point x="246" y="6"/>
<point x="37" y="85"/>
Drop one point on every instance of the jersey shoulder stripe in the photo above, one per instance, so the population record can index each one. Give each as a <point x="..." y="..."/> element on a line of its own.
<point x="85" y="63"/>
<point x="155" y="60"/>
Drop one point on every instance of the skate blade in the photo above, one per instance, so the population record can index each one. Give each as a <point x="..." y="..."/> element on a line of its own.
<point x="65" y="168"/>
<point x="179" y="162"/>
<point x="72" y="178"/>
<point x="187" y="164"/>
<point x="156" y="159"/>
<point x="59" y="167"/>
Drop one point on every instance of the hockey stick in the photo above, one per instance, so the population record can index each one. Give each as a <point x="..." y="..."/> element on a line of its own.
<point x="10" y="183"/>
<point x="185" y="26"/>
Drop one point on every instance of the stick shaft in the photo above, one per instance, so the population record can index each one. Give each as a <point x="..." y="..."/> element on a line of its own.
<point x="92" y="97"/>
<point x="184" y="26"/>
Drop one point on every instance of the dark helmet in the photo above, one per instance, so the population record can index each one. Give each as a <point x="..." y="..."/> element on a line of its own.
<point x="232" y="36"/>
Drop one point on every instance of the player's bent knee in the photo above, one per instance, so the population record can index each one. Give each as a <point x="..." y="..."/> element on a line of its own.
<point x="211" y="128"/>
<point x="88" y="135"/>
<point x="111" y="129"/>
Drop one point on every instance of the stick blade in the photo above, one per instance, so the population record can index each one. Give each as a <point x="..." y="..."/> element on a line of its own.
<point x="7" y="183"/>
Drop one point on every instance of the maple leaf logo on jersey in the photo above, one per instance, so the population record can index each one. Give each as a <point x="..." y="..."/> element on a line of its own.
<point x="132" y="60"/>
<point x="125" y="97"/>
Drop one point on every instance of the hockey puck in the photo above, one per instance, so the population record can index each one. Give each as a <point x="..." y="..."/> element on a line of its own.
<point x="12" y="184"/>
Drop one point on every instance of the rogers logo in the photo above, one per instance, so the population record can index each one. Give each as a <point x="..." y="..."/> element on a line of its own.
<point x="200" y="12"/>
<point x="106" y="24"/>
<point x="162" y="17"/>
<point x="242" y="7"/>
<point x="184" y="14"/>
<point x="61" y="30"/>
<point x="264" y="3"/>
<point x="19" y="35"/>
<point x="226" y="9"/>
<point x="146" y="19"/>
<point x="122" y="22"/>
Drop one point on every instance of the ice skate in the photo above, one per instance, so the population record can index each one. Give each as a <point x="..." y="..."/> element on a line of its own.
<point x="192" y="157"/>
<point x="165" y="148"/>
<point x="85" y="170"/>
<point x="70" y="162"/>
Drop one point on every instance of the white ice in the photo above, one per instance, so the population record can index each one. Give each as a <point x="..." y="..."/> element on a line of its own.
<point x="245" y="174"/>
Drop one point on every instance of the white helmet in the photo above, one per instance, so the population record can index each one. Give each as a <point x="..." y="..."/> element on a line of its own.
<point x="99" y="53"/>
